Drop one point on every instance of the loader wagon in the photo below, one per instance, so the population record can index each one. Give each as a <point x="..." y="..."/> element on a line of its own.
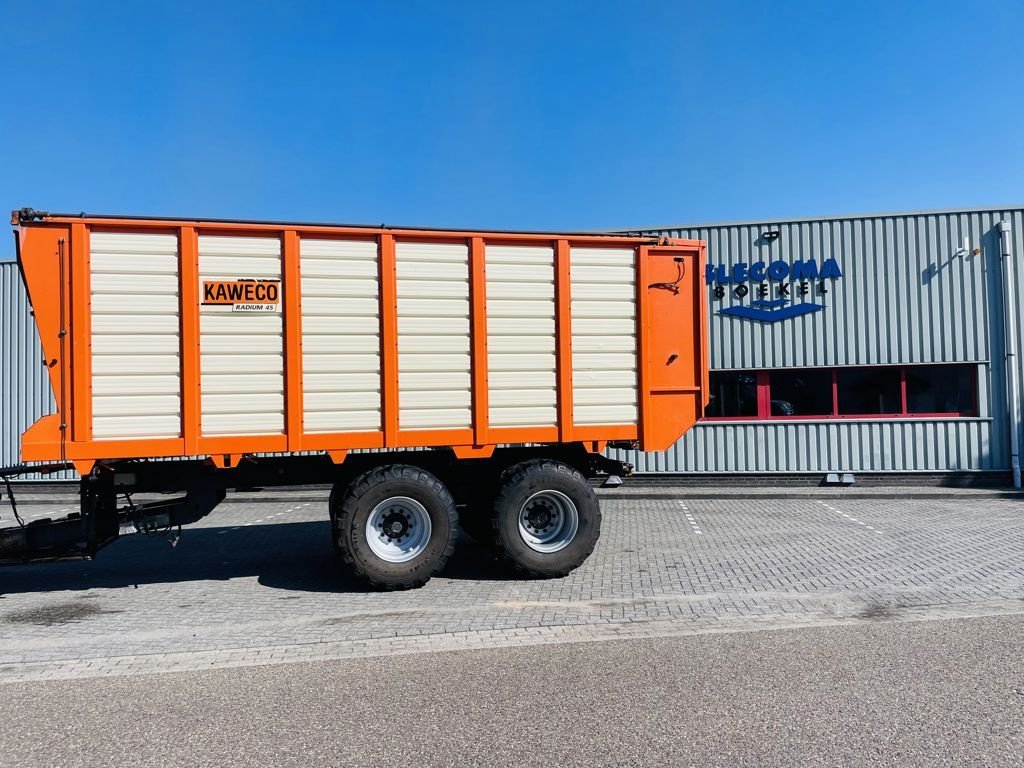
<point x="433" y="378"/>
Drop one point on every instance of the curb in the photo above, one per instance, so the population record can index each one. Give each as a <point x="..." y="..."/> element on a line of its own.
<point x="733" y="495"/>
<point x="640" y="495"/>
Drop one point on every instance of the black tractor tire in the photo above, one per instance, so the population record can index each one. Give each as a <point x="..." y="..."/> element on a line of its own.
<point x="352" y="505"/>
<point x="521" y="484"/>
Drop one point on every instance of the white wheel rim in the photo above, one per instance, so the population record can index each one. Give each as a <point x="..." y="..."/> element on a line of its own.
<point x="548" y="521"/>
<point x="398" y="529"/>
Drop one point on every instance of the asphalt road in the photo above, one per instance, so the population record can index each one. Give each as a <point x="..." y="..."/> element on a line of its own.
<point x="878" y="692"/>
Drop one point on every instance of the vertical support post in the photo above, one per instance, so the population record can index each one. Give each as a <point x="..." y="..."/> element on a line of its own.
<point x="903" y="390"/>
<point x="764" y="395"/>
<point x="704" y="346"/>
<point x="292" y="309"/>
<point x="389" y="338"/>
<point x="1010" y="311"/>
<point x="478" y="329"/>
<point x="643" y="326"/>
<point x="563" y="333"/>
<point x="64" y="404"/>
<point x="81" y="335"/>
<point x="188" y="291"/>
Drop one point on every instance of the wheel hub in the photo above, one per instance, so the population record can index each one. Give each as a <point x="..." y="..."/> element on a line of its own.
<point x="398" y="529"/>
<point x="540" y="517"/>
<point x="548" y="521"/>
<point x="395" y="525"/>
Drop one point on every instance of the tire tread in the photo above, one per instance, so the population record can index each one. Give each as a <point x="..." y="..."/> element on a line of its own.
<point x="510" y="479"/>
<point x="348" y="507"/>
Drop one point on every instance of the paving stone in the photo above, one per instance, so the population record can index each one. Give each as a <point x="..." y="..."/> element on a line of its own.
<point x="231" y="594"/>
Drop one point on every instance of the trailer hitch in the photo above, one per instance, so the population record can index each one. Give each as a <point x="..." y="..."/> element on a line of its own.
<point x="82" y="534"/>
<point x="6" y="473"/>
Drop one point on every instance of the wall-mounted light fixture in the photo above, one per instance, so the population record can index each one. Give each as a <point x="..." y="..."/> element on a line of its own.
<point x="966" y="250"/>
<point x="771" y="235"/>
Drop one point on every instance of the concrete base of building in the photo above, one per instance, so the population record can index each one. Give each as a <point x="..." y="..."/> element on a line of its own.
<point x="1001" y="479"/>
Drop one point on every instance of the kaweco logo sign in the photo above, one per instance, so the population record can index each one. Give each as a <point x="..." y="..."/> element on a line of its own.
<point x="243" y="295"/>
<point x="772" y="287"/>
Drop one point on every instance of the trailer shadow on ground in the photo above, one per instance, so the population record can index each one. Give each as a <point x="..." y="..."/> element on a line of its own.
<point x="289" y="556"/>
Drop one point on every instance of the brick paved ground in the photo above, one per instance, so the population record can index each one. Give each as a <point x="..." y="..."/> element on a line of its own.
<point x="255" y="583"/>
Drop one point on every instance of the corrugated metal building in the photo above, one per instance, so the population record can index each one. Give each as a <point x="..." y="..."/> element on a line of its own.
<point x="25" y="392"/>
<point x="846" y="344"/>
<point x="868" y="343"/>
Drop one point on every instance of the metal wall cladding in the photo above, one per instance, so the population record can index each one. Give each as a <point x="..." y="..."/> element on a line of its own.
<point x="135" y="316"/>
<point x="241" y="359"/>
<point x="25" y="392"/>
<point x="1016" y="219"/>
<point x="340" y="335"/>
<point x="604" y="364"/>
<point x="521" y="370"/>
<point x="904" y="297"/>
<point x="889" y="445"/>
<point x="909" y="294"/>
<point x="434" y="355"/>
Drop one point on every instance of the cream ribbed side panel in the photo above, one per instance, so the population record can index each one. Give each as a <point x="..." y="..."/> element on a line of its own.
<point x="241" y="353"/>
<point x="136" y="342"/>
<point x="340" y="335"/>
<point x="521" y="354"/>
<point x="604" y="354"/>
<point x="434" y="387"/>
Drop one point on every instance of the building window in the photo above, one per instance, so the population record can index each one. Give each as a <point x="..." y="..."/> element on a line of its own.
<point x="845" y="392"/>
<point x="800" y="392"/>
<point x="941" y="389"/>
<point x="868" y="391"/>
<point x="733" y="395"/>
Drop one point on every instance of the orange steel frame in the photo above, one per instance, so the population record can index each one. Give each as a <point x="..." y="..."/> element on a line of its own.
<point x="671" y="339"/>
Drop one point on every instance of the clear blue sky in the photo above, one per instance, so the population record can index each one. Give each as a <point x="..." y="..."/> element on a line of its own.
<point x="541" y="115"/>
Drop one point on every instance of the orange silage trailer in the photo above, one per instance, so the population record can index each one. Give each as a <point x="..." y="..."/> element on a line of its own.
<point x="204" y="355"/>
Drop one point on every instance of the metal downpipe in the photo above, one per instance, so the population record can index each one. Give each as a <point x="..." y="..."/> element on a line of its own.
<point x="1010" y="311"/>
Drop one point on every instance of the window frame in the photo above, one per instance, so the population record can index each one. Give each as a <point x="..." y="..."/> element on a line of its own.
<point x="758" y="396"/>
<point x="764" y="409"/>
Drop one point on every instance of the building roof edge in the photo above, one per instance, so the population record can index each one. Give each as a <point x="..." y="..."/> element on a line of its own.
<point x="836" y="217"/>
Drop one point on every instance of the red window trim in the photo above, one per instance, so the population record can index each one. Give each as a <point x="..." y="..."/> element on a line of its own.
<point x="764" y="398"/>
<point x="903" y="389"/>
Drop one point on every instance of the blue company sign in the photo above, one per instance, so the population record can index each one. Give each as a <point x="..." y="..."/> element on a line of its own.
<point x="774" y="284"/>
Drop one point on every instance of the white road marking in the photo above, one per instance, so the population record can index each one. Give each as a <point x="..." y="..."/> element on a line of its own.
<point x="851" y="518"/>
<point x="690" y="519"/>
<point x="272" y="516"/>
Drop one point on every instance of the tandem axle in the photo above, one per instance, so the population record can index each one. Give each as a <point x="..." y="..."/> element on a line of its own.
<point x="424" y="497"/>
